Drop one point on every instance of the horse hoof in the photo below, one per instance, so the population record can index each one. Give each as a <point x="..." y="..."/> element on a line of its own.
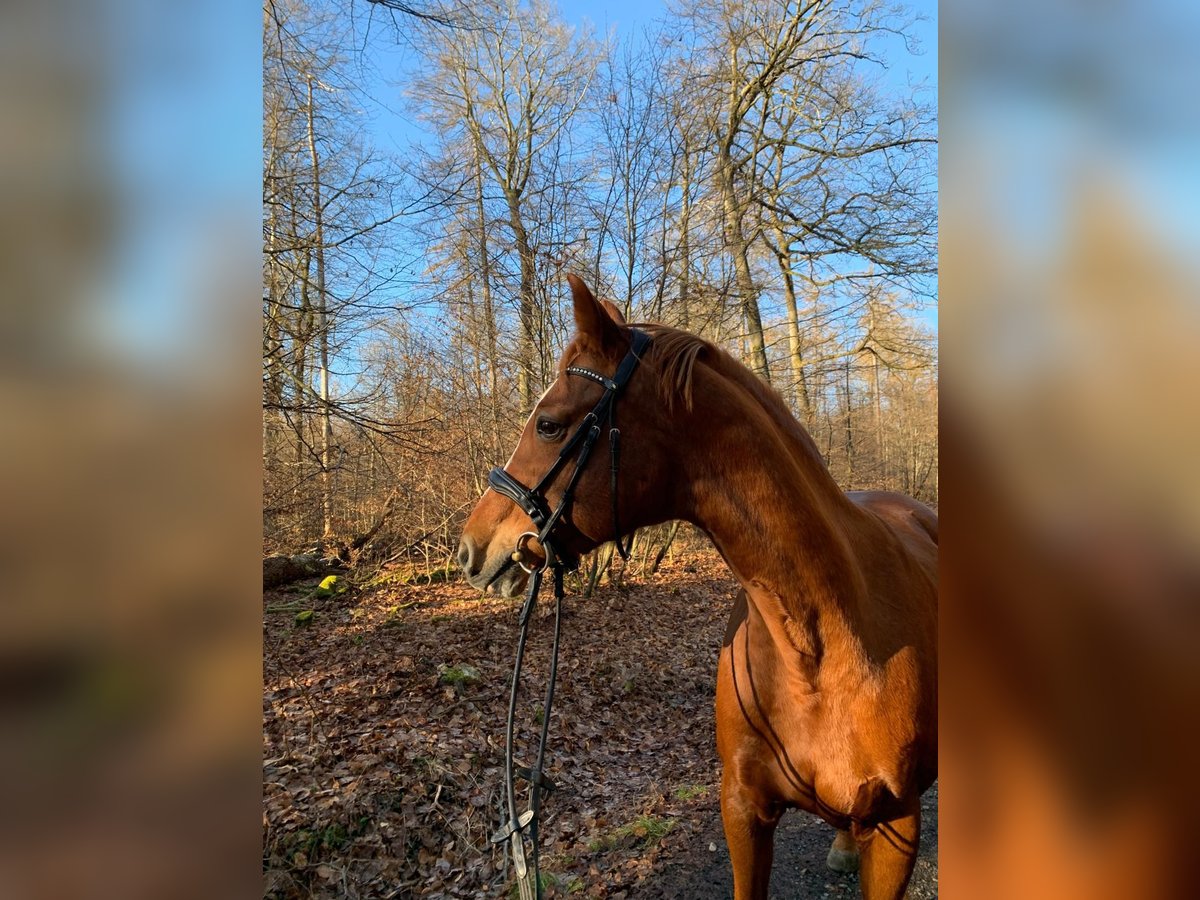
<point x="842" y="860"/>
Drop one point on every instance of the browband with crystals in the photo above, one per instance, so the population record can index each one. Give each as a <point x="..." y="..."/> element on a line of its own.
<point x="608" y="383"/>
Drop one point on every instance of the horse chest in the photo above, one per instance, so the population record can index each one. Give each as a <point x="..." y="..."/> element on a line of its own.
<point x="806" y="740"/>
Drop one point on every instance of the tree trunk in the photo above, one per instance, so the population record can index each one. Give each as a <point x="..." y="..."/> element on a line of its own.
<point x="795" y="345"/>
<point x="665" y="548"/>
<point x="631" y="229"/>
<point x="525" y="352"/>
<point x="489" y="313"/>
<point x="300" y="339"/>
<point x="322" y="326"/>
<point x="280" y="570"/>
<point x="735" y="238"/>
<point x="685" y="249"/>
<point x="273" y="325"/>
<point x="849" y="434"/>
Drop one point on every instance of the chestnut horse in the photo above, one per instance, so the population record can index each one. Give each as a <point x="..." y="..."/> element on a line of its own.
<point x="827" y="687"/>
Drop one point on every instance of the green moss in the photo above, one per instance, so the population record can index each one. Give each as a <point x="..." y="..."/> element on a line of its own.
<point x="648" y="830"/>
<point x="459" y="675"/>
<point x="330" y="586"/>
<point x="644" y="831"/>
<point x="331" y="837"/>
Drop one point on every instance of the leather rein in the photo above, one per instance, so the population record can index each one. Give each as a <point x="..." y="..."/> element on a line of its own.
<point x="533" y="501"/>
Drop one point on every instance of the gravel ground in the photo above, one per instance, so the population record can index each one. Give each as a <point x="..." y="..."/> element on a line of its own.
<point x="799" y="873"/>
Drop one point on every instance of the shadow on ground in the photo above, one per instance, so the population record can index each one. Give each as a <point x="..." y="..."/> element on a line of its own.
<point x="693" y="870"/>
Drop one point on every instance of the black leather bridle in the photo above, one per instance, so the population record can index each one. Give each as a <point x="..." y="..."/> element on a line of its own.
<point x="534" y="503"/>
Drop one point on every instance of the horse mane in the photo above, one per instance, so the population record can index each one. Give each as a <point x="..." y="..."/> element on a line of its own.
<point x="673" y="353"/>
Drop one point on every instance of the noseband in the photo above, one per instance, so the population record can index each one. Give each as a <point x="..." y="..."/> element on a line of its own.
<point x="534" y="503"/>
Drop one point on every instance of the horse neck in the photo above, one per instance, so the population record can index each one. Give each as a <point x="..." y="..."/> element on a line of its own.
<point x="758" y="486"/>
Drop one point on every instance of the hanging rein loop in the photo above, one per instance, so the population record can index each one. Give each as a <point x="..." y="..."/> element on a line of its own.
<point x="533" y="502"/>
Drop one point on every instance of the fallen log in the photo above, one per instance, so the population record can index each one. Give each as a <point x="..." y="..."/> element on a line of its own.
<point x="280" y="570"/>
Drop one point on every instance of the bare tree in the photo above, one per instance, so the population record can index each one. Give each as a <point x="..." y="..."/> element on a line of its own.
<point x="808" y="159"/>
<point x="328" y="202"/>
<point x="633" y="109"/>
<point x="736" y="171"/>
<point x="511" y="90"/>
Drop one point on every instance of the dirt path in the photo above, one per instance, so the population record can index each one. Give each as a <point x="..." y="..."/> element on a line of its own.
<point x="700" y="868"/>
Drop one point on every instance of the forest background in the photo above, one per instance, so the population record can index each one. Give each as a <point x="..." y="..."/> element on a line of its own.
<point x="762" y="173"/>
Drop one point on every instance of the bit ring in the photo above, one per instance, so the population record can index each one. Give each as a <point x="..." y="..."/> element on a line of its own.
<point x="518" y="554"/>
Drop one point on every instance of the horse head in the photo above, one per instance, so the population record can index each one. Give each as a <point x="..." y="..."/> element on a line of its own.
<point x="553" y="435"/>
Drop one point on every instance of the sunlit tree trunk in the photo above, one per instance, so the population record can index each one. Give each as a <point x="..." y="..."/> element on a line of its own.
<point x="739" y="248"/>
<point x="489" y="311"/>
<point x="685" y="229"/>
<point x="782" y="252"/>
<point x="322" y="310"/>
<point x="526" y="310"/>
<point x="849" y="426"/>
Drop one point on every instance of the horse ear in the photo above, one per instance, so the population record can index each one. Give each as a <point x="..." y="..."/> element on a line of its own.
<point x="614" y="311"/>
<point x="591" y="319"/>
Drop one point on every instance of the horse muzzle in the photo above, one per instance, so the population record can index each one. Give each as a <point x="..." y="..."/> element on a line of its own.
<point x="490" y="569"/>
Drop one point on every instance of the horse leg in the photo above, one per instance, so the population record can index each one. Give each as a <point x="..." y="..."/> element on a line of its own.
<point x="887" y="854"/>
<point x="750" y="833"/>
<point x="843" y="855"/>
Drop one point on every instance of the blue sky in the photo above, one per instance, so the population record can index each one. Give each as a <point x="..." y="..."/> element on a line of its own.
<point x="627" y="16"/>
<point x="392" y="129"/>
<point x="182" y="86"/>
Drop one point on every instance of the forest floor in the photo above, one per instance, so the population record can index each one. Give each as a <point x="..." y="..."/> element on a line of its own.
<point x="383" y="730"/>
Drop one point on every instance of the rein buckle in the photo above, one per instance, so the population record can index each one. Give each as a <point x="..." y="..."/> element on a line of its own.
<point x="509" y="828"/>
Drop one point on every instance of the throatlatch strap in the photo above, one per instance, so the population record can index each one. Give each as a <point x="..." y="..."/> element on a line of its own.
<point x="614" y="448"/>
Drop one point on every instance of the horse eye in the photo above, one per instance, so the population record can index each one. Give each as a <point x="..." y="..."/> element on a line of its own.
<point x="548" y="429"/>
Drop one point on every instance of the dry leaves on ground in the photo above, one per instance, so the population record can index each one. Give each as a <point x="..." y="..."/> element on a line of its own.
<point x="384" y="726"/>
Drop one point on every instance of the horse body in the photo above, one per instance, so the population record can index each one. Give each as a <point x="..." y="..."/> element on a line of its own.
<point x="827" y="682"/>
